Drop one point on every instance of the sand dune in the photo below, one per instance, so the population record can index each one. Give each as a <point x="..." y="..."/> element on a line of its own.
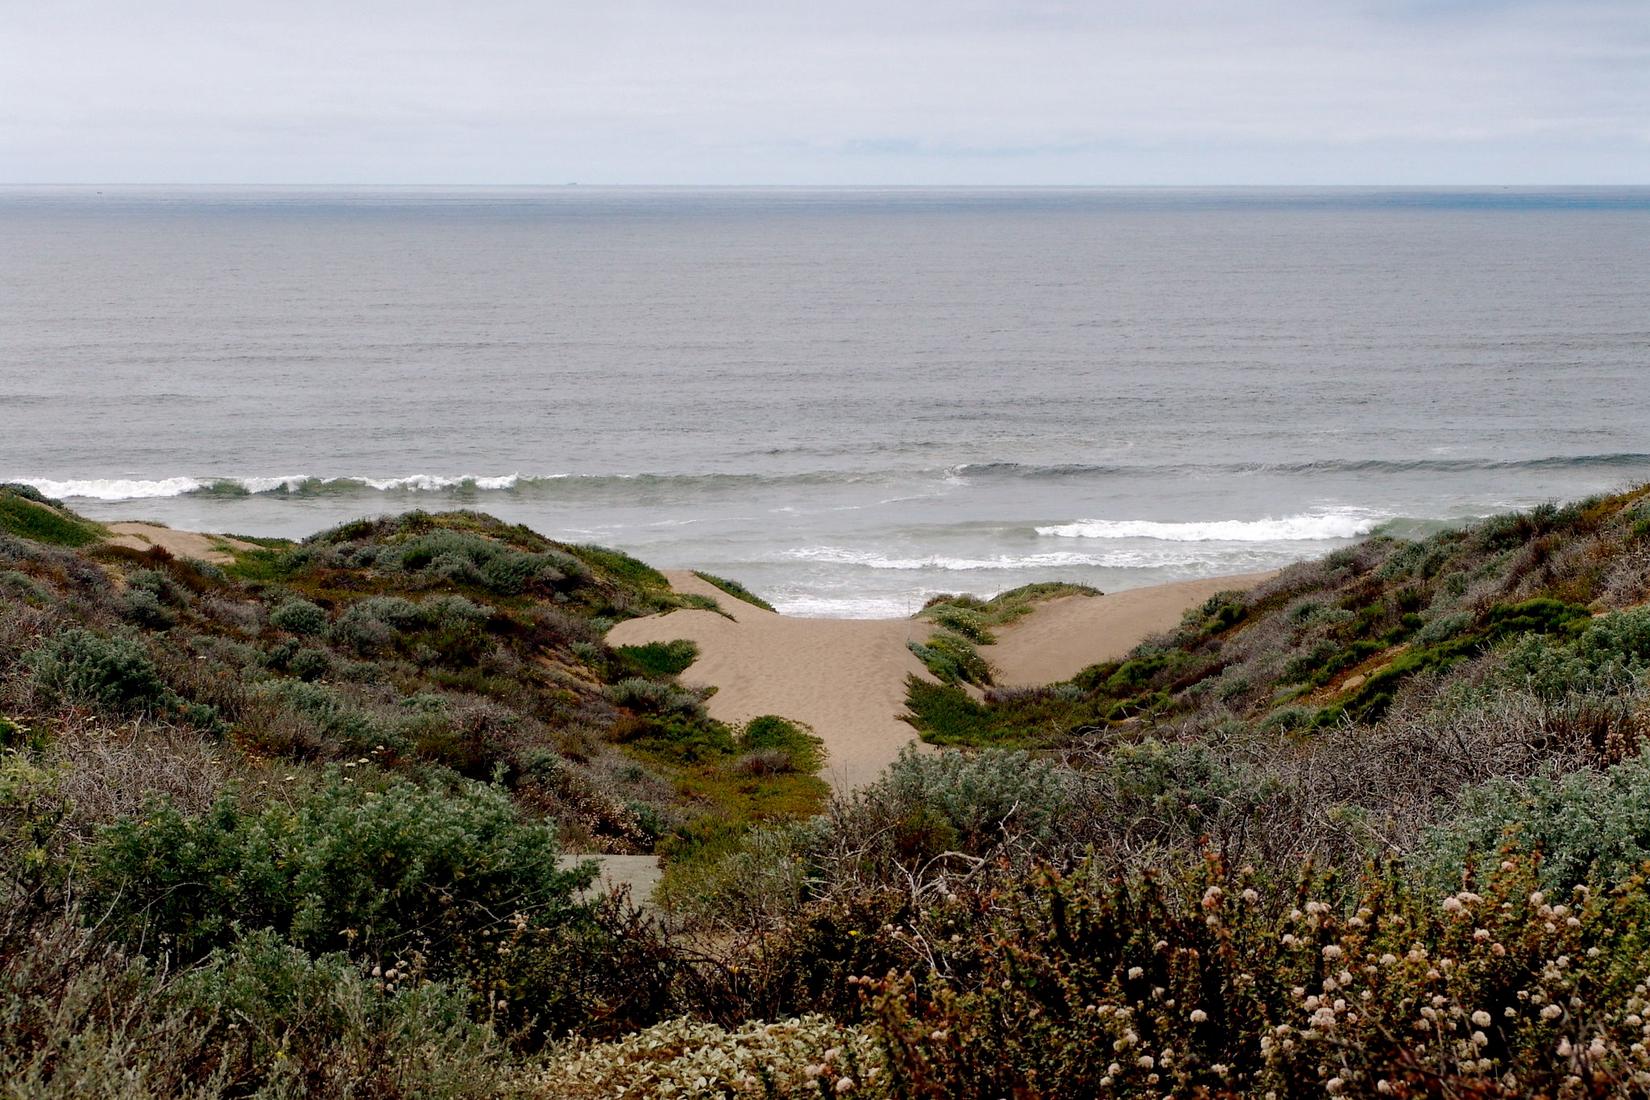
<point x="183" y="544"/>
<point x="1064" y="636"/>
<point x="846" y="677"/>
<point x="843" y="677"/>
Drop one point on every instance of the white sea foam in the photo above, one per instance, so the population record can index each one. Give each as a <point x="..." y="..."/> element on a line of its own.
<point x="430" y="483"/>
<point x="150" y="488"/>
<point x="1212" y="562"/>
<point x="1310" y="527"/>
<point x="114" y="488"/>
<point x="270" y="484"/>
<point x="851" y="607"/>
<point x="841" y="555"/>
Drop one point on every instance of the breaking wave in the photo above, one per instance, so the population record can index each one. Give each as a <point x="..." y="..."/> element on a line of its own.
<point x="932" y="478"/>
<point x="1315" y="527"/>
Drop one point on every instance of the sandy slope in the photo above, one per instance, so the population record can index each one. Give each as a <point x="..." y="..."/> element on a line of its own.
<point x="843" y="677"/>
<point x="846" y="677"/>
<point x="1064" y="636"/>
<point x="182" y="544"/>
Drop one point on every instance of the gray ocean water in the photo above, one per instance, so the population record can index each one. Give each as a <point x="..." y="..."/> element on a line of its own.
<point x="849" y="399"/>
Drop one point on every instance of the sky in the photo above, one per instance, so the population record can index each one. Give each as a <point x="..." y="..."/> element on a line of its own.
<point x="987" y="92"/>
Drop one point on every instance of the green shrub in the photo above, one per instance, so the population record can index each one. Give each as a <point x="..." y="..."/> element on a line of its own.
<point x="734" y="589"/>
<point x="270" y="1019"/>
<point x="946" y="715"/>
<point x="333" y="714"/>
<point x="1223" y="984"/>
<point x="952" y="659"/>
<point x="659" y="658"/>
<point x="1537" y="616"/>
<point x="926" y="803"/>
<point x="375" y="625"/>
<point x="653" y="697"/>
<point x="27" y="492"/>
<point x="146" y="609"/>
<point x="1587" y="826"/>
<point x="622" y="566"/>
<point x="379" y="874"/>
<point x="23" y="515"/>
<point x="298" y="616"/>
<point x="783" y="744"/>
<point x="80" y="667"/>
<point x="805" y="1058"/>
<point x="965" y="621"/>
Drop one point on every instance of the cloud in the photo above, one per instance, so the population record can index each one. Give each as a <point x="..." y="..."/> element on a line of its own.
<point x="710" y="91"/>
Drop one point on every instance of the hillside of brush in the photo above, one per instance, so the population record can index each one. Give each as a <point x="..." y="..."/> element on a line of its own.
<point x="293" y="825"/>
<point x="1330" y="708"/>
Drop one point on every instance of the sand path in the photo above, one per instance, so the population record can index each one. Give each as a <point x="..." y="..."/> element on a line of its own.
<point x="181" y="544"/>
<point x="1064" y="636"/>
<point x="846" y="677"/>
<point x="843" y="677"/>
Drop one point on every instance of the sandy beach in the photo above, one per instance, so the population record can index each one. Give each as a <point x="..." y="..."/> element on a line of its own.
<point x="846" y="677"/>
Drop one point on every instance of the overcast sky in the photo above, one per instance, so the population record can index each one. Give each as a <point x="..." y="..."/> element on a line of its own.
<point x="829" y="91"/>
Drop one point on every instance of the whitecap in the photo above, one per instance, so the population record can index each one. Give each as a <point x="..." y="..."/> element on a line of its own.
<point x="1310" y="527"/>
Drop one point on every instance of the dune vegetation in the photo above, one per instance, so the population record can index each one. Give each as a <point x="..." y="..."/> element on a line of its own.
<point x="298" y="825"/>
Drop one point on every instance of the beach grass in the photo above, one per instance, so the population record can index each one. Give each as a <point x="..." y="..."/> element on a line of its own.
<point x="734" y="589"/>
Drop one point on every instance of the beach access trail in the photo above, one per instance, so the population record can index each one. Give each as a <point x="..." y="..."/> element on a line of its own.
<point x="845" y="678"/>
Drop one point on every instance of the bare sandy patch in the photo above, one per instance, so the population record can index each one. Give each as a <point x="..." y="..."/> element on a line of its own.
<point x="216" y="549"/>
<point x="1066" y="635"/>
<point x="846" y="677"/>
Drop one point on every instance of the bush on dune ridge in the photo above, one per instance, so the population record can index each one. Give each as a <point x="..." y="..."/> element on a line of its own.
<point x="27" y="513"/>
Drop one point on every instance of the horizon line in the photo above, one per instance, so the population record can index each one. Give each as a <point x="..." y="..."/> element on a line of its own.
<point x="572" y="184"/>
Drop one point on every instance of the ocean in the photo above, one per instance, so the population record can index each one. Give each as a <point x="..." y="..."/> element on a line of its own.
<point x="849" y="399"/>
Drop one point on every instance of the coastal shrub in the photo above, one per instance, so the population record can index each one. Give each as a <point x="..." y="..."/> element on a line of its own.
<point x="654" y="697"/>
<point x="146" y="609"/>
<point x="952" y="659"/>
<point x="375" y="622"/>
<point x="453" y="613"/>
<point x="79" y="667"/>
<point x="1214" y="982"/>
<point x="21" y="586"/>
<point x="734" y="589"/>
<point x="271" y="1019"/>
<point x="377" y="873"/>
<point x="659" y="658"/>
<point x="802" y="1058"/>
<point x="1609" y="655"/>
<point x="38" y="520"/>
<point x="298" y="616"/>
<point x="84" y="1019"/>
<point x="1152" y="795"/>
<point x="309" y="663"/>
<point x="800" y="750"/>
<point x="928" y="803"/>
<point x="1586" y="826"/>
<point x="965" y="621"/>
<point x="1443" y="628"/>
<point x="27" y="492"/>
<point x="622" y="566"/>
<point x="333" y="715"/>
